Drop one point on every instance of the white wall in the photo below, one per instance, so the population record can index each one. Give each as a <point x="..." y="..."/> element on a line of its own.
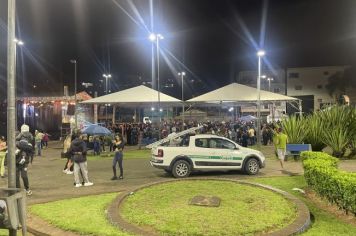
<point x="311" y="81"/>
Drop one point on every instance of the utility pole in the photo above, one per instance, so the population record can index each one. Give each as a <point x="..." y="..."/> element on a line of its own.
<point x="182" y="74"/>
<point x="73" y="61"/>
<point x="11" y="100"/>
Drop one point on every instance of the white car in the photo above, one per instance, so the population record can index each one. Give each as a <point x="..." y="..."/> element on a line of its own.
<point x="206" y="152"/>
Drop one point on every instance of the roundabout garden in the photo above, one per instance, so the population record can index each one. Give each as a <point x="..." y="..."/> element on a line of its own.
<point x="209" y="207"/>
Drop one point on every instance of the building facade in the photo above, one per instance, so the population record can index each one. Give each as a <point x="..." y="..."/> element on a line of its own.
<point x="310" y="84"/>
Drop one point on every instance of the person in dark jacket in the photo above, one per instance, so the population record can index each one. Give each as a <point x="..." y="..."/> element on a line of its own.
<point x="23" y="154"/>
<point x="78" y="151"/>
<point x="118" y="145"/>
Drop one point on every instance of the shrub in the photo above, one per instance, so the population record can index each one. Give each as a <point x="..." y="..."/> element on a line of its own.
<point x="314" y="132"/>
<point x="321" y="173"/>
<point x="293" y="127"/>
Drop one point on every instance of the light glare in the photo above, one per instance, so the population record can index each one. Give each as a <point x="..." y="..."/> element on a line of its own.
<point x="261" y="53"/>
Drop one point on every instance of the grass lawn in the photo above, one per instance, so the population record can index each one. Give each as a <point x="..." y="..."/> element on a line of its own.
<point x="74" y="214"/>
<point x="166" y="209"/>
<point x="324" y="224"/>
<point x="86" y="215"/>
<point x="129" y="154"/>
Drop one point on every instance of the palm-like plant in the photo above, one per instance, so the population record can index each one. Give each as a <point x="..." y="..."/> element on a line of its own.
<point x="337" y="139"/>
<point x="339" y="128"/>
<point x="314" y="132"/>
<point x="293" y="127"/>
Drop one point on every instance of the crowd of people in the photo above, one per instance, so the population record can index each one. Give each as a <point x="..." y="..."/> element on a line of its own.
<point x="244" y="133"/>
<point x="76" y="145"/>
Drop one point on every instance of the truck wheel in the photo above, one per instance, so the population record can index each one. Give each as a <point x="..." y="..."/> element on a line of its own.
<point x="252" y="166"/>
<point x="181" y="169"/>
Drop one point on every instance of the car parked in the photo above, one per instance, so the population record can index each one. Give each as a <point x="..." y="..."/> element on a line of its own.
<point x="205" y="152"/>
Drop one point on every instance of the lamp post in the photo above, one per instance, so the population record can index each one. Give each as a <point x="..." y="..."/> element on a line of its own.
<point x="156" y="38"/>
<point x="182" y="74"/>
<point x="106" y="76"/>
<point x="260" y="54"/>
<point x="17" y="43"/>
<point x="269" y="83"/>
<point x="75" y="92"/>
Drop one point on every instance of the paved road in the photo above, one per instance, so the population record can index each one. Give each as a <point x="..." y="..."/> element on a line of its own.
<point x="48" y="183"/>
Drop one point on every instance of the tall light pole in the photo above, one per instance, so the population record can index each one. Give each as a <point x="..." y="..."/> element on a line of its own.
<point x="182" y="74"/>
<point x="106" y="76"/>
<point x="11" y="96"/>
<point x="17" y="43"/>
<point x="156" y="38"/>
<point x="269" y="83"/>
<point x="260" y="54"/>
<point x="75" y="92"/>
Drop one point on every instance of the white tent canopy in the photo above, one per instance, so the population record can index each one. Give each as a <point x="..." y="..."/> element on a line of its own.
<point x="139" y="95"/>
<point x="239" y="93"/>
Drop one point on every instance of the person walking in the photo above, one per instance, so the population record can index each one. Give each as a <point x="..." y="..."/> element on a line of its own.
<point x="78" y="151"/>
<point x="282" y="140"/>
<point x="38" y="141"/>
<point x="45" y="140"/>
<point x="3" y="148"/>
<point x="118" y="146"/>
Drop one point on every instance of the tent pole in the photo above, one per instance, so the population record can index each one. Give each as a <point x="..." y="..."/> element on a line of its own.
<point x="300" y="108"/>
<point x="113" y="113"/>
<point x="95" y="109"/>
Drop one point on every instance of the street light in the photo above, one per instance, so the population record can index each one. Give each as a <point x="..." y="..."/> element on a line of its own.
<point x="182" y="74"/>
<point x="106" y="76"/>
<point x="156" y="38"/>
<point x="75" y="91"/>
<point x="17" y="43"/>
<point x="260" y="54"/>
<point x="269" y="83"/>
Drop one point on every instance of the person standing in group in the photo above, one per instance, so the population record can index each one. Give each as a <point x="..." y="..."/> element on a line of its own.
<point x="25" y="149"/>
<point x="118" y="146"/>
<point x="68" y="167"/>
<point x="78" y="151"/>
<point x="251" y="134"/>
<point x="38" y="141"/>
<point x="3" y="148"/>
<point x="282" y="140"/>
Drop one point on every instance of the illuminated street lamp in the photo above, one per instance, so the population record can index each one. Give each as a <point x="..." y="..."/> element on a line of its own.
<point x="106" y="76"/>
<point x="260" y="54"/>
<point x="182" y="74"/>
<point x="17" y="43"/>
<point x="73" y="61"/>
<point x="156" y="38"/>
<point x="269" y="83"/>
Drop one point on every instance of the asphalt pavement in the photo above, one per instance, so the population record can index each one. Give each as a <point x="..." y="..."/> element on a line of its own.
<point x="49" y="183"/>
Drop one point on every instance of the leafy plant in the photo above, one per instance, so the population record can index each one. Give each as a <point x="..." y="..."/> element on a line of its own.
<point x="314" y="132"/>
<point x="337" y="139"/>
<point x="294" y="128"/>
<point x="339" y="127"/>
<point x="321" y="173"/>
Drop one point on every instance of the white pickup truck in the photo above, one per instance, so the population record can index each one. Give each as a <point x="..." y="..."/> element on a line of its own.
<point x="205" y="152"/>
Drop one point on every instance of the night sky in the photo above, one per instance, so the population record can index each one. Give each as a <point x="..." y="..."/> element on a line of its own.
<point x="214" y="39"/>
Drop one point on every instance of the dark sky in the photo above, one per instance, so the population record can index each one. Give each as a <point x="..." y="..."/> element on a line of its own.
<point x="215" y="39"/>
